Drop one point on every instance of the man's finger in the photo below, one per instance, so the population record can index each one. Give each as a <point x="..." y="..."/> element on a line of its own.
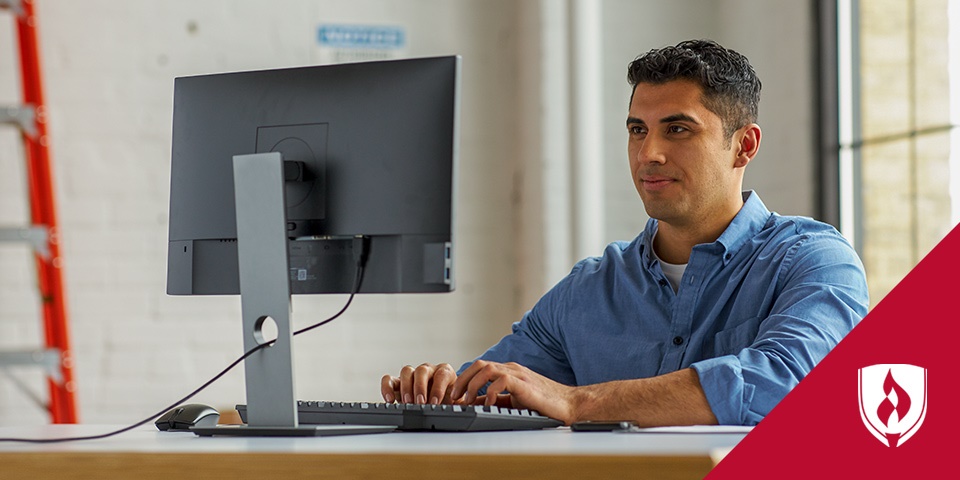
<point x="488" y="372"/>
<point x="406" y="384"/>
<point x="460" y="385"/>
<point x="389" y="387"/>
<point x="422" y="376"/>
<point x="501" y="384"/>
<point x="443" y="378"/>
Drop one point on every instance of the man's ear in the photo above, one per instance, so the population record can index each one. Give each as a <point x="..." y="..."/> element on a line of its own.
<point x="748" y="144"/>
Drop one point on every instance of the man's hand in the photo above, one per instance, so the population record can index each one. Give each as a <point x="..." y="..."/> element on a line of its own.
<point x="671" y="399"/>
<point x="423" y="384"/>
<point x="526" y="388"/>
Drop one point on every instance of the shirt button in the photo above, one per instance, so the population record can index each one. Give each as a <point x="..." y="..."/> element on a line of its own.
<point x="663" y="283"/>
<point x="677" y="340"/>
<point x="728" y="256"/>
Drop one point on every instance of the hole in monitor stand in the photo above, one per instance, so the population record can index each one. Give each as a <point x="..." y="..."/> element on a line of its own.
<point x="265" y="330"/>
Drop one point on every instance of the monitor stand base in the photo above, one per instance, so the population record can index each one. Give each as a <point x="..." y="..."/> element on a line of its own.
<point x="300" y="431"/>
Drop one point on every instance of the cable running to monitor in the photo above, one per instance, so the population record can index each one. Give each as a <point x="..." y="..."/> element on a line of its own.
<point x="359" y="256"/>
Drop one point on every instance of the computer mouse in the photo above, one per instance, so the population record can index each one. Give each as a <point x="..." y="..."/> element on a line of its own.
<point x="180" y="419"/>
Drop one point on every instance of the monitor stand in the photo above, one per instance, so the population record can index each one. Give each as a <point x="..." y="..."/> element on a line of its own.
<point x="265" y="296"/>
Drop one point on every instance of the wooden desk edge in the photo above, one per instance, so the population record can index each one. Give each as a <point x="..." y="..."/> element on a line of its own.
<point x="292" y="466"/>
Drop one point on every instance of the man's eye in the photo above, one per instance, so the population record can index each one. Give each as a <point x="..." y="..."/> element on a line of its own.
<point x="637" y="130"/>
<point x="676" y="129"/>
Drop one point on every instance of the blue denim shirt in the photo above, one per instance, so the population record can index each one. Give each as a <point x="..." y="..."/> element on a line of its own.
<point x="755" y="311"/>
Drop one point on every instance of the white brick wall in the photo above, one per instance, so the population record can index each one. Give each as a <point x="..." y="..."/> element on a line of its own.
<point x="109" y="67"/>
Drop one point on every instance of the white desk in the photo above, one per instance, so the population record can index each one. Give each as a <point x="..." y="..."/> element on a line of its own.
<point x="146" y="454"/>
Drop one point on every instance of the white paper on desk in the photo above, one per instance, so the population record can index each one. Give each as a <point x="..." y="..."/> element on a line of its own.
<point x="693" y="429"/>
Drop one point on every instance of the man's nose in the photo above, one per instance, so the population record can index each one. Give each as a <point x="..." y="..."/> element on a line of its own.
<point x="651" y="150"/>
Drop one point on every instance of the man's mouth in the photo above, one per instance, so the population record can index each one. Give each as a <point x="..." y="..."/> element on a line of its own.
<point x="655" y="182"/>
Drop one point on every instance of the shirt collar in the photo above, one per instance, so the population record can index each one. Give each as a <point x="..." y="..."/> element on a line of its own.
<point x="748" y="222"/>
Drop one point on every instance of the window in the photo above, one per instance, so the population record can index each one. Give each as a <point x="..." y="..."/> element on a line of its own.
<point x="899" y="145"/>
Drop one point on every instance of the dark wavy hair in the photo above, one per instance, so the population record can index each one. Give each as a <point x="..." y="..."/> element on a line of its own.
<point x="730" y="86"/>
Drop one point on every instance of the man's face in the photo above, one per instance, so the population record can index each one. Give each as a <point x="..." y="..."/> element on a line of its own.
<point x="682" y="165"/>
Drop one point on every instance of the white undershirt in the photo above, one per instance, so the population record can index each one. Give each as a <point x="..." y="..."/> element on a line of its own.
<point x="672" y="271"/>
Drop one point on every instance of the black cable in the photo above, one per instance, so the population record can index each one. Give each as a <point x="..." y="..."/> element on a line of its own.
<point x="356" y="288"/>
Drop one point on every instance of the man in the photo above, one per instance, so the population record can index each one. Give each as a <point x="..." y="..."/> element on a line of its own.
<point x="711" y="315"/>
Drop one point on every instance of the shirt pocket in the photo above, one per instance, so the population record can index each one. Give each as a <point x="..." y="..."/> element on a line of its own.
<point x="731" y="340"/>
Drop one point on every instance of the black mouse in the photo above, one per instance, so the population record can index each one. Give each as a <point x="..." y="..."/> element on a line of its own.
<point x="180" y="419"/>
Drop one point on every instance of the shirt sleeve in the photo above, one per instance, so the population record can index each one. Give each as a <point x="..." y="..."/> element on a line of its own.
<point x="824" y="296"/>
<point x="536" y="341"/>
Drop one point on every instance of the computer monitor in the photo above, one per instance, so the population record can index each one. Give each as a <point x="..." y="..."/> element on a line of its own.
<point x="276" y="174"/>
<point x="374" y="146"/>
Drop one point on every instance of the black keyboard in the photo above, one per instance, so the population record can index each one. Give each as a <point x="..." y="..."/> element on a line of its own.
<point x="411" y="417"/>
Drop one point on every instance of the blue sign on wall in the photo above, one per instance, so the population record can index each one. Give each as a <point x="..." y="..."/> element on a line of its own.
<point x="361" y="36"/>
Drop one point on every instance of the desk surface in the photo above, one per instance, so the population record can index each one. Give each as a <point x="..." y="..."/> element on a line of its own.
<point x="558" y="453"/>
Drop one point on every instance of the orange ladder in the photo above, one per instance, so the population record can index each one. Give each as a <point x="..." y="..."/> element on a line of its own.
<point x="30" y="117"/>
